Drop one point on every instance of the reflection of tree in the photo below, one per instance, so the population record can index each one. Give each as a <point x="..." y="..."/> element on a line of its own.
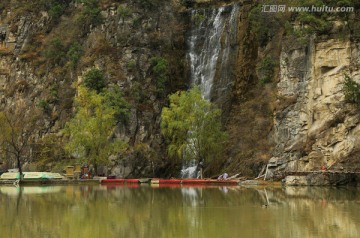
<point x="96" y="211"/>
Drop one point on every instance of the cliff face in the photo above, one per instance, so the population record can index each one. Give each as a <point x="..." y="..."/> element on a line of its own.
<point x="317" y="127"/>
<point x="281" y="102"/>
<point x="288" y="108"/>
<point x="38" y="73"/>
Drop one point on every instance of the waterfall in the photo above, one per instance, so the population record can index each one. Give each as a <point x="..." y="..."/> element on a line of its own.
<point x="209" y="45"/>
<point x="189" y="169"/>
<point x="209" y="50"/>
<point x="204" y="47"/>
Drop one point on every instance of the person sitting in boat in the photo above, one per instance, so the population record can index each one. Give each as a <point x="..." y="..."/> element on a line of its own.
<point x="224" y="176"/>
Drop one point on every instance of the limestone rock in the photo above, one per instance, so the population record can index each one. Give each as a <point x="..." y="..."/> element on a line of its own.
<point x="320" y="127"/>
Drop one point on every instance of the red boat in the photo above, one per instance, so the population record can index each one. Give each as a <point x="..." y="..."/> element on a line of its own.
<point x="209" y="181"/>
<point x="120" y="181"/>
<point x="194" y="181"/>
<point x="170" y="181"/>
<point x="113" y="181"/>
<point x="175" y="181"/>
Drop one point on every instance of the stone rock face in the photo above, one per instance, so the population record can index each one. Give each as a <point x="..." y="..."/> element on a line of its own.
<point x="312" y="125"/>
<point x="122" y="47"/>
<point x="319" y="127"/>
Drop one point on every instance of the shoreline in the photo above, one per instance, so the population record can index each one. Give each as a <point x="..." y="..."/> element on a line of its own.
<point x="321" y="180"/>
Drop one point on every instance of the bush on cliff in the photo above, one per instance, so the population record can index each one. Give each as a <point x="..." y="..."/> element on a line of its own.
<point x="351" y="90"/>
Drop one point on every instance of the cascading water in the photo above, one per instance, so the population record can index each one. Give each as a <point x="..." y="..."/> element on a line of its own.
<point x="209" y="45"/>
<point x="205" y="47"/>
<point x="189" y="169"/>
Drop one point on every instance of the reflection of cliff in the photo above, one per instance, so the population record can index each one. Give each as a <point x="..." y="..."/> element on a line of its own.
<point x="315" y="212"/>
<point x="188" y="212"/>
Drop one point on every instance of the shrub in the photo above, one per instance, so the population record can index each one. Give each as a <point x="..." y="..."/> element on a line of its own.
<point x="44" y="105"/>
<point x="94" y="79"/>
<point x="266" y="70"/>
<point x="351" y="90"/>
<point x="198" y="18"/>
<point x="54" y="93"/>
<point x="131" y="65"/>
<point x="56" y="11"/>
<point x="160" y="71"/>
<point x="124" y="12"/>
<point x="56" y="8"/>
<point x="74" y="53"/>
<point x="91" y="14"/>
<point x="55" y="51"/>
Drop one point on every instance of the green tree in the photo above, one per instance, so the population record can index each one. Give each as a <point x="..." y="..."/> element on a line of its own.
<point x="192" y="127"/>
<point x="115" y="100"/>
<point x="90" y="131"/>
<point x="49" y="150"/>
<point x="94" y="79"/>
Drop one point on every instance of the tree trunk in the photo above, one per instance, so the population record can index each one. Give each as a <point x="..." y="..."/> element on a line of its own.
<point x="19" y="167"/>
<point x="95" y="169"/>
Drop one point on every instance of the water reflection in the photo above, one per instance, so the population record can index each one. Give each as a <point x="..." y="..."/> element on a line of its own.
<point x="144" y="211"/>
<point x="16" y="190"/>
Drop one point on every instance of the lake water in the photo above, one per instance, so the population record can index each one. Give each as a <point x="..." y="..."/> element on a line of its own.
<point x="184" y="212"/>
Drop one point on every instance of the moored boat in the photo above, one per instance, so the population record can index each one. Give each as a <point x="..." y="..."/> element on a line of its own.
<point x="31" y="176"/>
<point x="176" y="181"/>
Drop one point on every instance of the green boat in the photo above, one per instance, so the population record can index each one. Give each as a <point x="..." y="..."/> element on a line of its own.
<point x="31" y="176"/>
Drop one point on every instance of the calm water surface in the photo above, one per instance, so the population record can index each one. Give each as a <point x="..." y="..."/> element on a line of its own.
<point x="145" y="211"/>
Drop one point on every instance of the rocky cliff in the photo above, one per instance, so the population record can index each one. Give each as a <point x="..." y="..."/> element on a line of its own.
<point x="317" y="127"/>
<point x="38" y="68"/>
<point x="288" y="107"/>
<point x="282" y="99"/>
